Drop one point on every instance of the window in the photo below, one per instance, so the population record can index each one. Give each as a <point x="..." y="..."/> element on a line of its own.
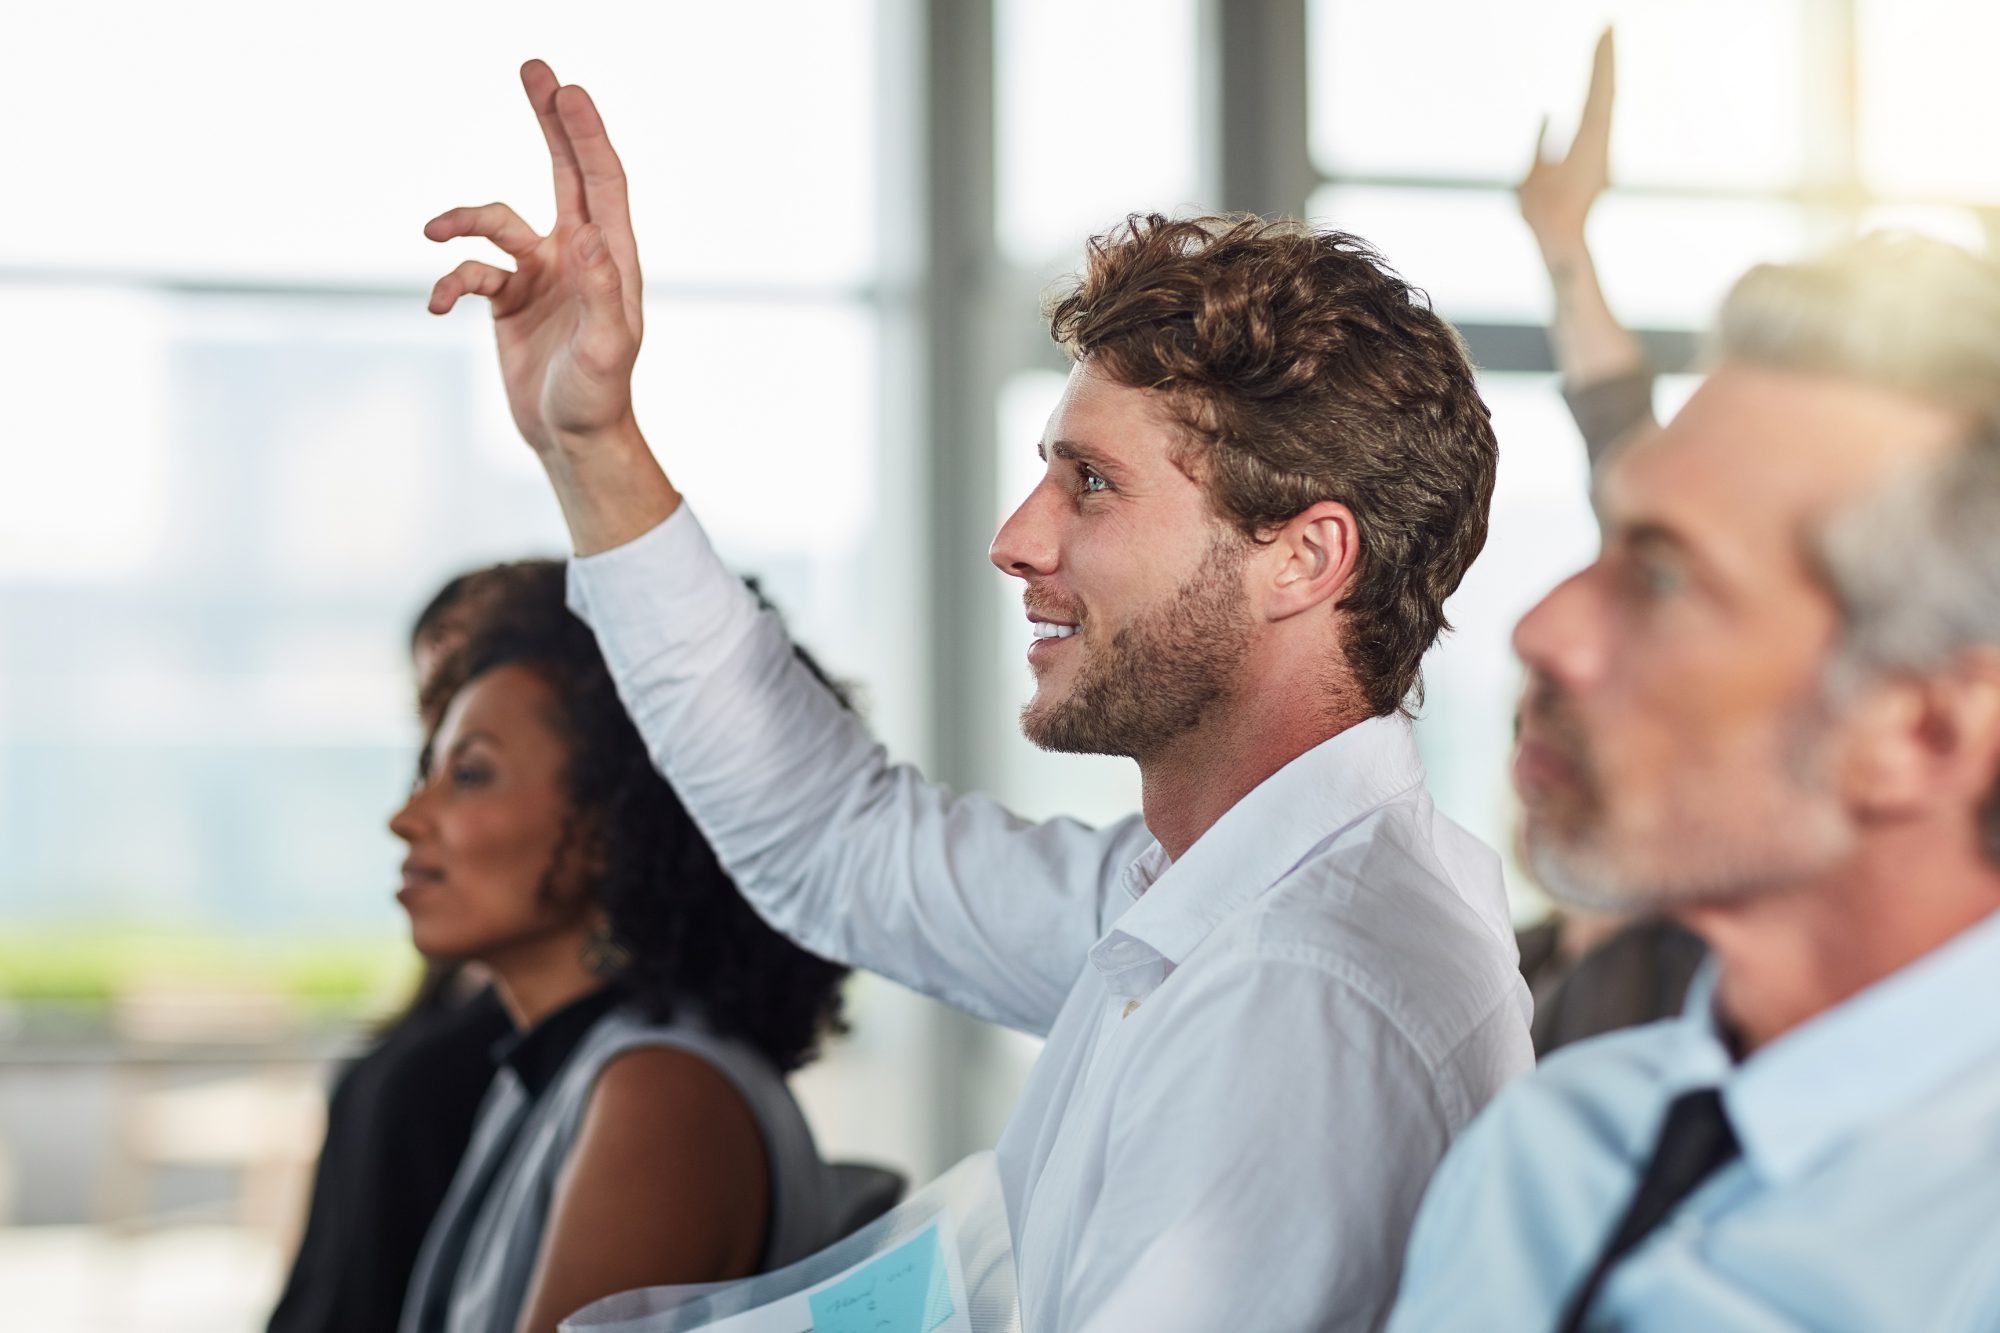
<point x="255" y="454"/>
<point x="1745" y="131"/>
<point x="1096" y="117"/>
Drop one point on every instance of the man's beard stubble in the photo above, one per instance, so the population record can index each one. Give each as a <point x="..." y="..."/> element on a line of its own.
<point x="1159" y="675"/>
<point x="1712" y="843"/>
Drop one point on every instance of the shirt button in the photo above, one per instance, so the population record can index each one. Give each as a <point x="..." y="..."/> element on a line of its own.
<point x="1130" y="1005"/>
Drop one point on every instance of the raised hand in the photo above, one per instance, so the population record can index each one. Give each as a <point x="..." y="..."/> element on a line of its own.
<point x="568" y="317"/>
<point x="1589" y="343"/>
<point x="1556" y="194"/>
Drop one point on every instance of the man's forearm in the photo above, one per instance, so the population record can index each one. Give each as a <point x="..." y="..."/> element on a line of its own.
<point x="611" y="488"/>
<point x="1589" y="342"/>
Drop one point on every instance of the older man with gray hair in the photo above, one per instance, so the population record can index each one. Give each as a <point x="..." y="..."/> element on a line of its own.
<point x="1771" y="709"/>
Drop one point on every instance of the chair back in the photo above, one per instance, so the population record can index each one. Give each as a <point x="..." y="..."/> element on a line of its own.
<point x="859" y="1194"/>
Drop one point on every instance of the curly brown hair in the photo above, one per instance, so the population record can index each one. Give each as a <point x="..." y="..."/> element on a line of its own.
<point x="1302" y="369"/>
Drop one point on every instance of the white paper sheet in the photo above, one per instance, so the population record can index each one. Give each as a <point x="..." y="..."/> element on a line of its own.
<point x="941" y="1262"/>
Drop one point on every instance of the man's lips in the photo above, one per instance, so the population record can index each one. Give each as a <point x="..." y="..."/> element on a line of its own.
<point x="1050" y="632"/>
<point x="1540" y="768"/>
<point x="1042" y="649"/>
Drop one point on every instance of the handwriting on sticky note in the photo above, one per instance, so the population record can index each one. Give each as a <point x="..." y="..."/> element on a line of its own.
<point x="904" y="1291"/>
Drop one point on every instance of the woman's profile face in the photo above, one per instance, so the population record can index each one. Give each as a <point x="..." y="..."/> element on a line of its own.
<point x="485" y="825"/>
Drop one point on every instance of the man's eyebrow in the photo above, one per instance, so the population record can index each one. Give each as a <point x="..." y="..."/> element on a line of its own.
<point x="1652" y="532"/>
<point x="1657" y="537"/>
<point x="1072" y="451"/>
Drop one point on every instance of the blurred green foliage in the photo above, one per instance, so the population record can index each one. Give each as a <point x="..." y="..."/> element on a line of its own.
<point x="93" y="963"/>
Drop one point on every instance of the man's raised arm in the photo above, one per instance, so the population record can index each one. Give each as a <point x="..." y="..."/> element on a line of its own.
<point x="856" y="859"/>
<point x="568" y="320"/>
<point x="1605" y="376"/>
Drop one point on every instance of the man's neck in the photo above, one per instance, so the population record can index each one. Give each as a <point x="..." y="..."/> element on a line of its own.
<point x="1792" y="954"/>
<point x="1190" y="785"/>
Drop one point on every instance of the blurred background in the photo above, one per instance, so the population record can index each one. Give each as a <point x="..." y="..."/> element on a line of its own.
<point x="239" y="455"/>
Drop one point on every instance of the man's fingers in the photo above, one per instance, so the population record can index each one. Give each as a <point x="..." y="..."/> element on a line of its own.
<point x="604" y="189"/>
<point x="606" y="337"/>
<point x="1594" y="126"/>
<point x="471" y="278"/>
<point x="540" y="83"/>
<point x="496" y="222"/>
<point x="1604" y="64"/>
<point x="597" y="281"/>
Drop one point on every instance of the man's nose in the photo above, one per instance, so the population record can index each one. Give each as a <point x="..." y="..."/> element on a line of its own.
<point x="1562" y="637"/>
<point x="1026" y="544"/>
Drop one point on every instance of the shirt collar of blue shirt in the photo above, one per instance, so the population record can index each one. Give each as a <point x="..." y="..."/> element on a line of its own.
<point x="1256" y="843"/>
<point x="1795" y="1101"/>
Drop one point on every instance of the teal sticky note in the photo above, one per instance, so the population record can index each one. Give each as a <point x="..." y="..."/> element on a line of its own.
<point x="904" y="1291"/>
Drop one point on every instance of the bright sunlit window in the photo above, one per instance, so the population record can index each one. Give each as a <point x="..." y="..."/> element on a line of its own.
<point x="1737" y="139"/>
<point x="1085" y="140"/>
<point x="252" y="454"/>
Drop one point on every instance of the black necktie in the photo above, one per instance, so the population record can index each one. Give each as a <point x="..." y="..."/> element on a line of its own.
<point x="1694" y="1143"/>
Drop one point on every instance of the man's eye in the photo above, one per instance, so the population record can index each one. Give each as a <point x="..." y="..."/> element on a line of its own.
<point x="469" y="775"/>
<point x="1657" y="579"/>
<point x="1093" y="484"/>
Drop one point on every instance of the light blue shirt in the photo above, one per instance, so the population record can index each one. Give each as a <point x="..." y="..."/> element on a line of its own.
<point x="1867" y="1196"/>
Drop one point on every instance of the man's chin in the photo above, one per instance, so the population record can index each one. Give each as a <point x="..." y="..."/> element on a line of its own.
<point x="1042" y="721"/>
<point x="1050" y="722"/>
<point x="1577" y="872"/>
<point x="1585" y="875"/>
<point x="1054" y="695"/>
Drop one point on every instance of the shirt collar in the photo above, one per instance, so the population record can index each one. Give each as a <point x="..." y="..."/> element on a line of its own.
<point x="538" y="1055"/>
<point x="1260" y="839"/>
<point x="1798" y="1099"/>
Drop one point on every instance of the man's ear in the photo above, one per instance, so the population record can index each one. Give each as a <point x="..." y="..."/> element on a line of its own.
<point x="1921" y="741"/>
<point x="1312" y="557"/>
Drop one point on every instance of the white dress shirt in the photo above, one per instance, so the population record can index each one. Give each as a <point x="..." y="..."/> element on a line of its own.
<point x="1867" y="1196"/>
<point x="1256" y="1055"/>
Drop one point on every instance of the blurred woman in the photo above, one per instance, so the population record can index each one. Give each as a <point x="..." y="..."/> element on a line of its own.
<point x="639" y="1130"/>
<point x="401" y="1113"/>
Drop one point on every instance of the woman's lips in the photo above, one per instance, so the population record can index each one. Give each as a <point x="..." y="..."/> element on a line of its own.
<point x="416" y="879"/>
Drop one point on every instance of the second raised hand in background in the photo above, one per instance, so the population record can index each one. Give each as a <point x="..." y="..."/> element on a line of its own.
<point x="1556" y="197"/>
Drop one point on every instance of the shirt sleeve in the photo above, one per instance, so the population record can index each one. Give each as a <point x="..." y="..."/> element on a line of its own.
<point x="1608" y="411"/>
<point x="1477" y="1259"/>
<point x="857" y="859"/>
<point x="1319" y="1123"/>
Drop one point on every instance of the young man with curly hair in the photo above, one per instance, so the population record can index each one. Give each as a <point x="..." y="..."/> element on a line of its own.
<point x="1271" y="1001"/>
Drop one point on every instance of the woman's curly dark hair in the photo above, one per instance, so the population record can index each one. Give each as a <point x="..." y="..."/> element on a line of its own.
<point x="686" y="933"/>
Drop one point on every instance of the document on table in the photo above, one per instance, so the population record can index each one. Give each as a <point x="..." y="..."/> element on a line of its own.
<point x="915" y="1288"/>
<point x="941" y="1262"/>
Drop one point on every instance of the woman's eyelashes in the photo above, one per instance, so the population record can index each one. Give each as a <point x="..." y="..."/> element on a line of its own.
<point x="471" y="773"/>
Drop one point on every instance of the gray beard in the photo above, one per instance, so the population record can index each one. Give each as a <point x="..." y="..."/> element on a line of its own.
<point x="1719" y="849"/>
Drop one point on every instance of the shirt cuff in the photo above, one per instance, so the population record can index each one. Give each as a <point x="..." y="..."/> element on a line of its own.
<point x="1609" y="409"/>
<point x="663" y="595"/>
